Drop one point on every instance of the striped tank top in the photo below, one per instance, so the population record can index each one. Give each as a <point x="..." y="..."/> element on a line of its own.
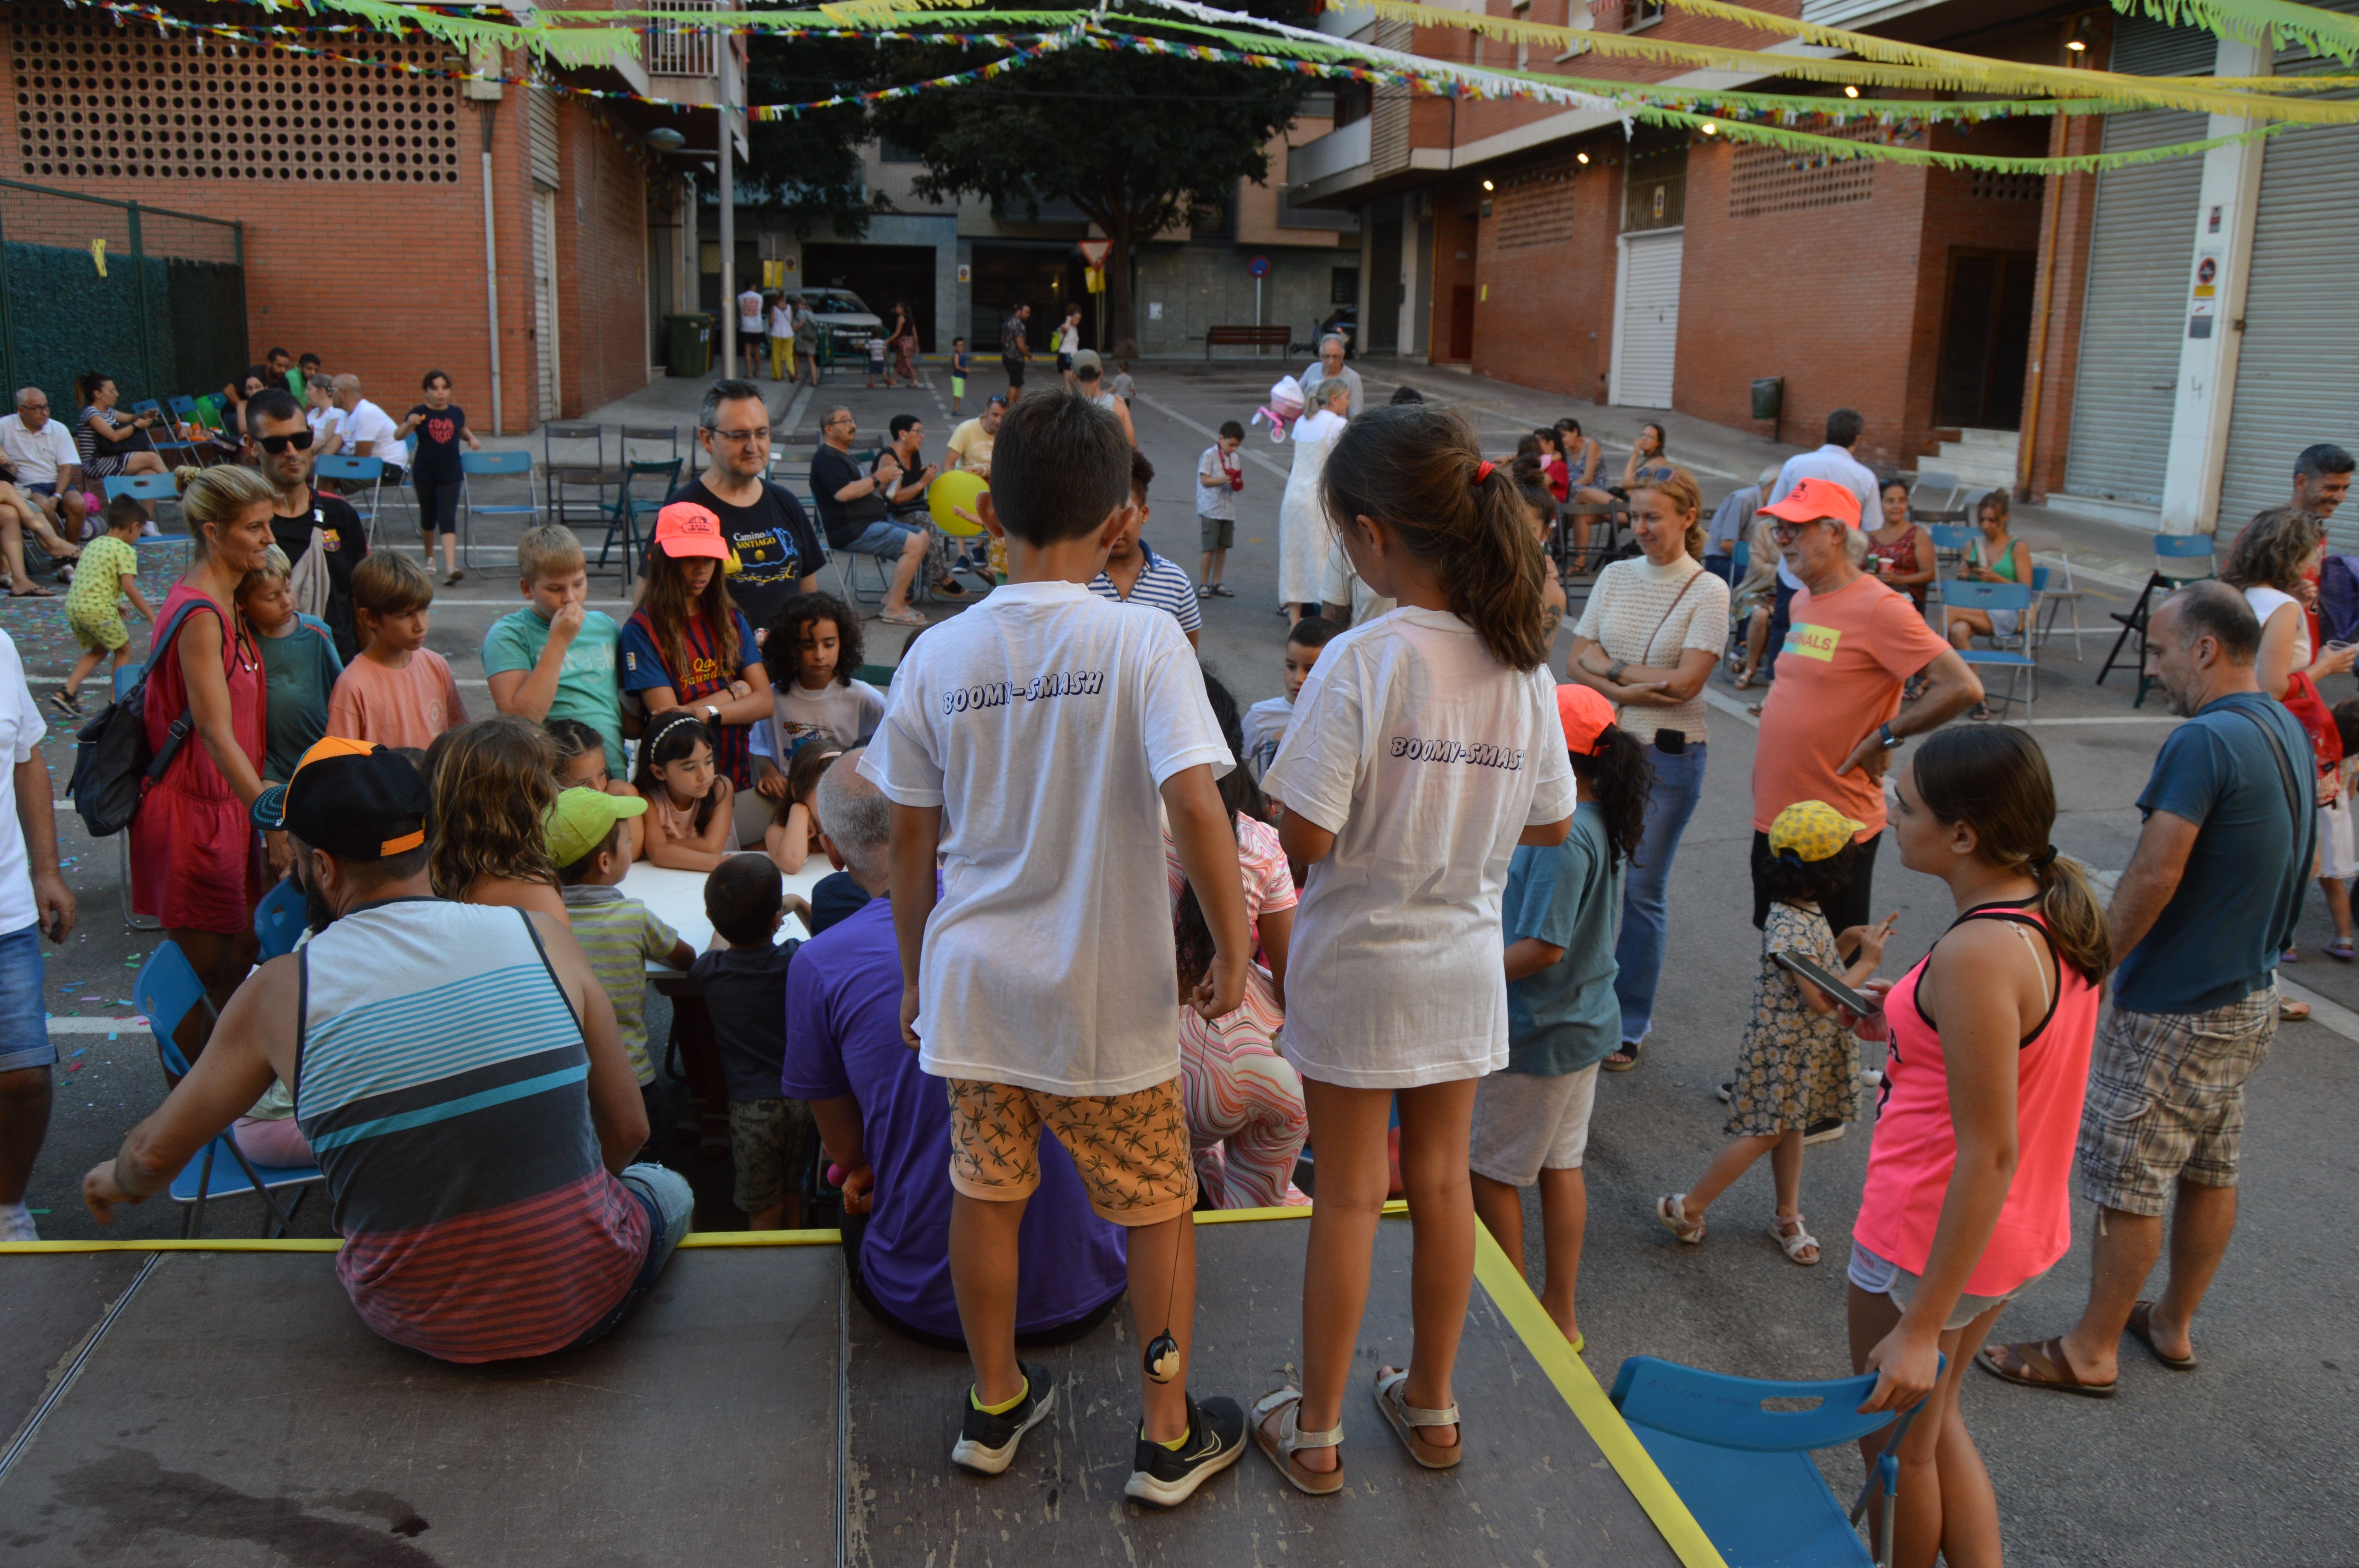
<point x="442" y="1079"/>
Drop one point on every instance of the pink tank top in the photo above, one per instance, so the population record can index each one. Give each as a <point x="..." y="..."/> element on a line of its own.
<point x="1916" y="1146"/>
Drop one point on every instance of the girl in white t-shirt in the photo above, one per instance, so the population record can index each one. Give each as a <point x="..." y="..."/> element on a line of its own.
<point x="1424" y="746"/>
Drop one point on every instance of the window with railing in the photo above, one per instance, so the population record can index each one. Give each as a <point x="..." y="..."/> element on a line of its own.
<point x="681" y="48"/>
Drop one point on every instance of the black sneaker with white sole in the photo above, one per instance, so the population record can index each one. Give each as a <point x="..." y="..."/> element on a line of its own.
<point x="987" y="1443"/>
<point x="1825" y="1132"/>
<point x="1167" y="1477"/>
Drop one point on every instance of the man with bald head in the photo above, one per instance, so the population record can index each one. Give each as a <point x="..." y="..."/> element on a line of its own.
<point x="889" y="1125"/>
<point x="2209" y="900"/>
<point x="366" y="431"/>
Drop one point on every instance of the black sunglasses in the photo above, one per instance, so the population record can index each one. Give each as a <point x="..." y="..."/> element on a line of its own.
<point x="300" y="440"/>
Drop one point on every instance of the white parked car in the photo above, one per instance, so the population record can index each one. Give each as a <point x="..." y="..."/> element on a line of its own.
<point x="843" y="314"/>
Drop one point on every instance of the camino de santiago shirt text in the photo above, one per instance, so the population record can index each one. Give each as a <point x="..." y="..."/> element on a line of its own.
<point x="1044" y="722"/>
<point x="1428" y="759"/>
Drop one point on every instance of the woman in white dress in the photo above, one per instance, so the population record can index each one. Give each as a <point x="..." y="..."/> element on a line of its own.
<point x="1303" y="533"/>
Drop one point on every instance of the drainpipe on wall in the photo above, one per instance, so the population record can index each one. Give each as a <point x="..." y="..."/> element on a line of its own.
<point x="485" y="96"/>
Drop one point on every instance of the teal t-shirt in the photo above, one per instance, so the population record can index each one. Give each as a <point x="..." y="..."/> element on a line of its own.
<point x="1567" y="895"/>
<point x="586" y="686"/>
<point x="299" y="671"/>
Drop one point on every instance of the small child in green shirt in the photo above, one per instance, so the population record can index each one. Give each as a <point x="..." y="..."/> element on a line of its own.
<point x="617" y="934"/>
<point x="109" y="567"/>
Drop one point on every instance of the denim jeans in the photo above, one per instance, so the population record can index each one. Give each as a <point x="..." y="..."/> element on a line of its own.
<point x="1645" y="888"/>
<point x="670" y="1203"/>
<point x="23" y="1026"/>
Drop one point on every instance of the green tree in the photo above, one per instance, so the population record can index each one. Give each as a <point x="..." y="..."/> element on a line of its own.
<point x="1133" y="140"/>
<point x="807" y="169"/>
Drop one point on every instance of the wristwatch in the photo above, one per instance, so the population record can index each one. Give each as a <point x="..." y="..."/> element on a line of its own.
<point x="713" y="715"/>
<point x="1891" y="742"/>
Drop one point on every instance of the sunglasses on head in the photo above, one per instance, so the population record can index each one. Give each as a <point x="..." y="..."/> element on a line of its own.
<point x="300" y="440"/>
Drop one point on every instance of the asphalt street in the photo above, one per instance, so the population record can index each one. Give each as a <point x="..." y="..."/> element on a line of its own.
<point x="2243" y="1462"/>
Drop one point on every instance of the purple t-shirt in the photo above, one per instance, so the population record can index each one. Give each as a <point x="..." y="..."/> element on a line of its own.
<point x="844" y="1036"/>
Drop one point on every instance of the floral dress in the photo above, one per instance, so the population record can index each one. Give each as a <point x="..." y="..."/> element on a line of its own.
<point x="1796" y="1067"/>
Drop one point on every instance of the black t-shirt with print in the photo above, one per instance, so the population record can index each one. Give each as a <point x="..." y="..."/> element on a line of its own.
<point x="438" y="435"/>
<point x="774" y="543"/>
<point x="346" y="543"/>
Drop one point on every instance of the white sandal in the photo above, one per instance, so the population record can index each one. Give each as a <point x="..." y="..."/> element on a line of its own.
<point x="1407" y="1418"/>
<point x="1793" y="1244"/>
<point x="1292" y="1440"/>
<point x="1671" y="1214"/>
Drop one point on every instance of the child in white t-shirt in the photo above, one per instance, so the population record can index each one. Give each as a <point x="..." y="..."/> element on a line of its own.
<point x="1025" y="746"/>
<point x="814" y="645"/>
<point x="1266" y="721"/>
<point x="1220" y="474"/>
<point x="1425" y="747"/>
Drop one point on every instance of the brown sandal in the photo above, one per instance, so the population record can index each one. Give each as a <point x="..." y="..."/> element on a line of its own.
<point x="2039" y="1365"/>
<point x="2141" y="1325"/>
<point x="1409" y="1420"/>
<point x="1289" y="1439"/>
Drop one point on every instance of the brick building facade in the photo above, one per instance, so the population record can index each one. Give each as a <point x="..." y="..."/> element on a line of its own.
<point x="361" y="194"/>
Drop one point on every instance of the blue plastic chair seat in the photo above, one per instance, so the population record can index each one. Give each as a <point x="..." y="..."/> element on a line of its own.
<point x="228" y="1181"/>
<point x="1762" y="1510"/>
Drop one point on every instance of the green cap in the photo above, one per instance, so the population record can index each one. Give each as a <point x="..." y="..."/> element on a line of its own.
<point x="579" y="819"/>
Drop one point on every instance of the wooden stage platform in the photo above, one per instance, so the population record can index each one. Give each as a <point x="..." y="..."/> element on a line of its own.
<point x="220" y="1404"/>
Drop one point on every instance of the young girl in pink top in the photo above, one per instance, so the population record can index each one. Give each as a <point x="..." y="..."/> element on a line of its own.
<point x="1966" y="1202"/>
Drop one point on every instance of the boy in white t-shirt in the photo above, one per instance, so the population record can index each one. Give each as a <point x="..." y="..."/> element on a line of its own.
<point x="1220" y="474"/>
<point x="1026" y="745"/>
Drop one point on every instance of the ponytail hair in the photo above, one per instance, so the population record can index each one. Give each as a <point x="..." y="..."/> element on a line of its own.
<point x="1620" y="774"/>
<point x="215" y="497"/>
<point x="1414" y="471"/>
<point x="1995" y="779"/>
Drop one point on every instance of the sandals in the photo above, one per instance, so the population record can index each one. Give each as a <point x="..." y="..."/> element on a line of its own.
<point x="1408" y="1419"/>
<point x="905" y="616"/>
<point x="1290" y="1440"/>
<point x="1628" y="1052"/>
<point x="2141" y="1325"/>
<point x="1671" y="1214"/>
<point x="2292" y="1012"/>
<point x="2340" y="948"/>
<point x="457" y="575"/>
<point x="2040" y="1364"/>
<point x="1792" y="1242"/>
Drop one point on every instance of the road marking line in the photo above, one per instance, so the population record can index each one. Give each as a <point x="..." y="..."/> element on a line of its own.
<point x="84" y="1024"/>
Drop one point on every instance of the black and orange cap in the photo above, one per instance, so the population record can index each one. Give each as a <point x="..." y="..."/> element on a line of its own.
<point x="354" y="799"/>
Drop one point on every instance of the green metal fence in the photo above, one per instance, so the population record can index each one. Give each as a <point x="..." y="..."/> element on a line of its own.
<point x="154" y="299"/>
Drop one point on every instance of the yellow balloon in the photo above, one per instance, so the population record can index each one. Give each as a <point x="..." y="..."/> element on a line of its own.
<point x="958" y="488"/>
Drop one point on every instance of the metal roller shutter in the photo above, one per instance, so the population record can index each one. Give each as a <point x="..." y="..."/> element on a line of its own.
<point x="1647" y="336"/>
<point x="2140" y="246"/>
<point x="2297" y="382"/>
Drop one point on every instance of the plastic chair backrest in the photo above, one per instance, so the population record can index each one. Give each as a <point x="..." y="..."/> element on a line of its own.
<point x="2039" y="580"/>
<point x="278" y="920"/>
<point x="1729" y="1413"/>
<point x="496" y="463"/>
<point x="144" y="486"/>
<point x="148" y="406"/>
<point x="365" y="469"/>
<point x="1960" y="594"/>
<point x="1741" y="553"/>
<point x="1953" y="535"/>
<point x="183" y="405"/>
<point x="1934" y="480"/>
<point x="2184" y="556"/>
<point x="165" y="989"/>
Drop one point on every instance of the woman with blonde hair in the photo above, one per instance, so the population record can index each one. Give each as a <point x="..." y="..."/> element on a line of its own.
<point x="493" y="781"/>
<point x="1647" y="639"/>
<point x="194" y="861"/>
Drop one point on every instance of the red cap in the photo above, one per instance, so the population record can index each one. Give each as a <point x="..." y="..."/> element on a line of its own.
<point x="684" y="528"/>
<point x="1586" y="715"/>
<point x="1813" y="500"/>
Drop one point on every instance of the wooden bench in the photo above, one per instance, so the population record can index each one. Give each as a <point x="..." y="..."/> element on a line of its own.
<point x="1254" y="338"/>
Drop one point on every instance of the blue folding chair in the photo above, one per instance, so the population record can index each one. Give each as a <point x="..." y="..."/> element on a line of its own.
<point x="369" y="471"/>
<point x="489" y="465"/>
<point x="166" y="990"/>
<point x="2018" y="661"/>
<point x="278" y="920"/>
<point x="2178" y="559"/>
<point x="173" y="447"/>
<point x="1745" y="1470"/>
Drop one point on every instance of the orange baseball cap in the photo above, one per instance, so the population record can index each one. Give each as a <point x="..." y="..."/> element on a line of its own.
<point x="684" y="528"/>
<point x="1586" y="715"/>
<point x="1812" y="501"/>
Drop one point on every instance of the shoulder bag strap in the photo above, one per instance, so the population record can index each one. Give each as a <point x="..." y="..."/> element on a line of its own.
<point x="2284" y="770"/>
<point x="1648" y="651"/>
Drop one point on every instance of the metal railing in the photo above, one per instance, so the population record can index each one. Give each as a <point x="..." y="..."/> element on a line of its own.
<point x="682" y="48"/>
